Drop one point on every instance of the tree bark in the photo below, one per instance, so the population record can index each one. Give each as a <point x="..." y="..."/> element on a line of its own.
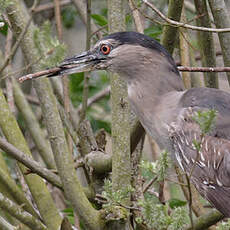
<point x="121" y="166"/>
<point x="222" y="20"/>
<point x="64" y="162"/>
<point x="169" y="32"/>
<point x="206" y="44"/>
<point x="37" y="187"/>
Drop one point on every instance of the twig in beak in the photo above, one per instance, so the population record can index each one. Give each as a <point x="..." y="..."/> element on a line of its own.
<point x="39" y="74"/>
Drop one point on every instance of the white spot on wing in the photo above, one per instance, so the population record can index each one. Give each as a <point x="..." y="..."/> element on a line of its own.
<point x="214" y="149"/>
<point x="179" y="160"/>
<point x="211" y="186"/>
<point x="218" y="182"/>
<point x="206" y="146"/>
<point x="202" y="156"/>
<point x="186" y="141"/>
<point x="201" y="164"/>
<point x="182" y="152"/>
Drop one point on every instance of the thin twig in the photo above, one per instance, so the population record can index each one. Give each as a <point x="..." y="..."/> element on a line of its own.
<point x="87" y="74"/>
<point x="190" y="201"/>
<point x="65" y="80"/>
<point x="179" y="24"/>
<point x="129" y="207"/>
<point x="30" y="163"/>
<point x="136" y="17"/>
<point x="39" y="74"/>
<point x="149" y="184"/>
<point x="98" y="30"/>
<point x="203" y="69"/>
<point x="161" y="192"/>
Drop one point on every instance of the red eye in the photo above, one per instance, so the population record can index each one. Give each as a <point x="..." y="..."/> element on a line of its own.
<point x="105" y="49"/>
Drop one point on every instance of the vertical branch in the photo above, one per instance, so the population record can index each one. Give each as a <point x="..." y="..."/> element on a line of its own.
<point x="65" y="80"/>
<point x="57" y="11"/>
<point x="206" y="44"/>
<point x="195" y="77"/>
<point x="87" y="74"/>
<point x="81" y="8"/>
<point x="222" y="20"/>
<point x="120" y="109"/>
<point x="169" y="32"/>
<point x="184" y="51"/>
<point x="121" y="167"/>
<point x="9" y="88"/>
<point x="197" y="207"/>
<point x="190" y="200"/>
<point x="136" y="17"/>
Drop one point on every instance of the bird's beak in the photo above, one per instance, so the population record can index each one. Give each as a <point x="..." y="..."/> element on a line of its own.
<point x="84" y="62"/>
<point x="80" y="63"/>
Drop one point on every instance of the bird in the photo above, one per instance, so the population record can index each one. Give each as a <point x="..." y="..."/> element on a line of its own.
<point x="166" y="109"/>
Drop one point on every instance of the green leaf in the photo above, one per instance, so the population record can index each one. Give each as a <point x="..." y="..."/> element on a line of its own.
<point x="154" y="32"/>
<point x="205" y="119"/>
<point x="99" y="19"/>
<point x="175" y="203"/>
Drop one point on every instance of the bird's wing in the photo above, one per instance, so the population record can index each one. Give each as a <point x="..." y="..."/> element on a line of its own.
<point x="209" y="98"/>
<point x="204" y="158"/>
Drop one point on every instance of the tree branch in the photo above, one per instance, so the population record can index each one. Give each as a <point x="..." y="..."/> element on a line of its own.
<point x="23" y="216"/>
<point x="203" y="69"/>
<point x="206" y="44"/>
<point x="179" y="24"/>
<point x="34" y="166"/>
<point x="136" y="17"/>
<point x="222" y="20"/>
<point x="15" y="193"/>
<point x="5" y="225"/>
<point x="170" y="33"/>
<point x="42" y="145"/>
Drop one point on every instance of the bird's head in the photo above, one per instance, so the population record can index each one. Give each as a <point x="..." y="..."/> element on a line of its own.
<point x="125" y="53"/>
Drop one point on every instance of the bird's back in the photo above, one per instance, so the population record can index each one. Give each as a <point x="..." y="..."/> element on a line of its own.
<point x="210" y="98"/>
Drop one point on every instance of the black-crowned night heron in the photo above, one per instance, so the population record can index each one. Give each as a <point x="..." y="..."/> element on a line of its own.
<point x="165" y="109"/>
